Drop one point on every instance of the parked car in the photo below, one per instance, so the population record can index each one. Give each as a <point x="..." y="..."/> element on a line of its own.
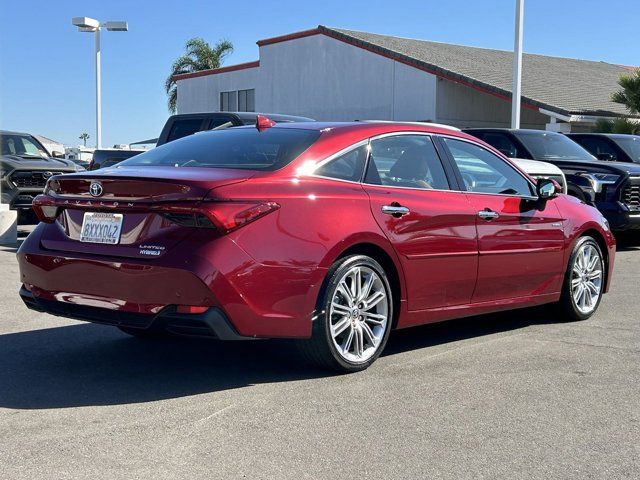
<point x="615" y="147"/>
<point x="25" y="167"/>
<point x="612" y="187"/>
<point x="110" y="156"/>
<point x="334" y="233"/>
<point x="539" y="170"/>
<point x="184" y="124"/>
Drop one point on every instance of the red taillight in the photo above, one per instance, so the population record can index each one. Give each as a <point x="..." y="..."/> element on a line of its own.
<point x="223" y="216"/>
<point x="191" y="309"/>
<point x="44" y="209"/>
<point x="228" y="216"/>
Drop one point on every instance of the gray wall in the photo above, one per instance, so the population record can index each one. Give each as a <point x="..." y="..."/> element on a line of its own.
<point x="326" y="79"/>
<point x="202" y="94"/>
<point x="463" y="106"/>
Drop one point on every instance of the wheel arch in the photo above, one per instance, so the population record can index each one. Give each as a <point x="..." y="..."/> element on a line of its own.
<point x="602" y="243"/>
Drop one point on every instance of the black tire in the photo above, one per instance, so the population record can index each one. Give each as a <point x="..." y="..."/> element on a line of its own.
<point x="320" y="348"/>
<point x="567" y="304"/>
<point x="144" y="333"/>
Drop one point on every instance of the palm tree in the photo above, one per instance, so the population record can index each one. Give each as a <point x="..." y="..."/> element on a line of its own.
<point x="84" y="136"/>
<point x="629" y="95"/>
<point x="200" y="56"/>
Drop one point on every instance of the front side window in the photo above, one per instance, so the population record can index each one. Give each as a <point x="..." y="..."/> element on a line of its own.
<point x="243" y="148"/>
<point x="484" y="172"/>
<point x="631" y="146"/>
<point x="406" y="161"/>
<point x="599" y="147"/>
<point x="552" y="146"/>
<point x="502" y="143"/>
<point x="348" y="166"/>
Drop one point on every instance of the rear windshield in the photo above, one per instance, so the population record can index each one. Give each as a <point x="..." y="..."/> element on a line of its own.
<point x="552" y="146"/>
<point x="244" y="148"/>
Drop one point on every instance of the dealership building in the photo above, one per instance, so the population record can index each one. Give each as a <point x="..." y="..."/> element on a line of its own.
<point x="335" y="74"/>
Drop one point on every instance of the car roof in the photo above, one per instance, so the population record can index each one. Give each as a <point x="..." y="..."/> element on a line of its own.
<point x="608" y="135"/>
<point x="9" y="132"/>
<point x="512" y="130"/>
<point x="374" y="127"/>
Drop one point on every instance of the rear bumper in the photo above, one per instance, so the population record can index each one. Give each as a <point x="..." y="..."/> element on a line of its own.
<point x="213" y="323"/>
<point x="255" y="299"/>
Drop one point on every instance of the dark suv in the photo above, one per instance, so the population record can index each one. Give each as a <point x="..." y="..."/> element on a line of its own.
<point x="184" y="124"/>
<point x="612" y="187"/>
<point x="616" y="147"/>
<point x="25" y="167"/>
<point x="110" y="156"/>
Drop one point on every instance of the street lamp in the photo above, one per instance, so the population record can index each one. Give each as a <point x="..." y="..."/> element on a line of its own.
<point x="86" y="24"/>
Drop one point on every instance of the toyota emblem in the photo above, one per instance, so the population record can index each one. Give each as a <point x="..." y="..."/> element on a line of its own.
<point x="47" y="174"/>
<point x="95" y="189"/>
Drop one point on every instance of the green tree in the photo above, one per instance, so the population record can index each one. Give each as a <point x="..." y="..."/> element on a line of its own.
<point x="200" y="56"/>
<point x="618" y="125"/>
<point x="84" y="136"/>
<point x="629" y="94"/>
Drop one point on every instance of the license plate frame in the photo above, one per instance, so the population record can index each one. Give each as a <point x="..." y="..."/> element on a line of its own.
<point x="102" y="228"/>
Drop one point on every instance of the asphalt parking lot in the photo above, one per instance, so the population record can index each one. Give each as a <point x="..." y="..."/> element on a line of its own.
<point x="514" y="395"/>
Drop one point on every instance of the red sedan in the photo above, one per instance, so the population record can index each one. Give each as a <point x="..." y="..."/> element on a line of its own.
<point x="331" y="233"/>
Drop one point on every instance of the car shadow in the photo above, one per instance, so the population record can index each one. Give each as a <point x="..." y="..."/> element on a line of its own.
<point x="85" y="364"/>
<point x="628" y="242"/>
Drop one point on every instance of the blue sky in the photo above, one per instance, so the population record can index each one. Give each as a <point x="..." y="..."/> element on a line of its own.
<point x="47" y="75"/>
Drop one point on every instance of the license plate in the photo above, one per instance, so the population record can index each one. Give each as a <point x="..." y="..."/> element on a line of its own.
<point x="99" y="227"/>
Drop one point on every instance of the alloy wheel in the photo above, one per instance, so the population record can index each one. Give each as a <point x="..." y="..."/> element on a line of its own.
<point x="359" y="314"/>
<point x="586" y="278"/>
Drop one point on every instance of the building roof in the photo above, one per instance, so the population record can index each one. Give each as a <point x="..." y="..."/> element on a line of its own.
<point x="564" y="85"/>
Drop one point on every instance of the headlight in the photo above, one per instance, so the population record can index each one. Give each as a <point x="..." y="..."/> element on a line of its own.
<point x="79" y="168"/>
<point x="598" y="180"/>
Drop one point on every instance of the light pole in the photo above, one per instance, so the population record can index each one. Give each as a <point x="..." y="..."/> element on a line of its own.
<point x="517" y="65"/>
<point x="86" y="24"/>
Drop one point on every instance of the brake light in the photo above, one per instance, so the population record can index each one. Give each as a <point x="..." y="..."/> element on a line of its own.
<point x="44" y="209"/>
<point x="262" y="123"/>
<point x="223" y="216"/>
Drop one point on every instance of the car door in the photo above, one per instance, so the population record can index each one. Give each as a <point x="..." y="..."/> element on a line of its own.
<point x="520" y="239"/>
<point x="429" y="223"/>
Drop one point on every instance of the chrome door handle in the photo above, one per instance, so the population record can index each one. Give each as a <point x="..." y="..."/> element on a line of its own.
<point x="395" y="210"/>
<point x="488" y="214"/>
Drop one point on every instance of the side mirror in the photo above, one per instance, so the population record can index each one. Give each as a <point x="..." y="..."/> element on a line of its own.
<point x="56" y="154"/>
<point x="547" y="188"/>
<point x="606" y="156"/>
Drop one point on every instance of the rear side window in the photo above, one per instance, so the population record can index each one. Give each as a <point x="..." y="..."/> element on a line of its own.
<point x="182" y="128"/>
<point x="243" y="147"/>
<point x="348" y="166"/>
<point x="484" y="172"/>
<point x="406" y="161"/>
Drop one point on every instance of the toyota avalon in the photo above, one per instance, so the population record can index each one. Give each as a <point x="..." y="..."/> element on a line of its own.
<point x="330" y="233"/>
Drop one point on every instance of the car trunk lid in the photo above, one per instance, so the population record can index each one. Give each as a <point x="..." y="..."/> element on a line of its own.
<point x="146" y="198"/>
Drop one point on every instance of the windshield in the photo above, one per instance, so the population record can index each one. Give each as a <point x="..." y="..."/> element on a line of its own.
<point x="21" y="146"/>
<point x="245" y="148"/>
<point x="631" y="146"/>
<point x="552" y="146"/>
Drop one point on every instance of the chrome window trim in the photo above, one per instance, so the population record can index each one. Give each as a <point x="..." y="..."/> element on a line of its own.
<point x="508" y="163"/>
<point x="395" y="134"/>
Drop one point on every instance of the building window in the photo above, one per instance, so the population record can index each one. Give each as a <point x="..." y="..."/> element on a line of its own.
<point x="229" y="101"/>
<point x="247" y="100"/>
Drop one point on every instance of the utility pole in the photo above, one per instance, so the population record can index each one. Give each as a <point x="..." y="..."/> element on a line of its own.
<point x="517" y="65"/>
